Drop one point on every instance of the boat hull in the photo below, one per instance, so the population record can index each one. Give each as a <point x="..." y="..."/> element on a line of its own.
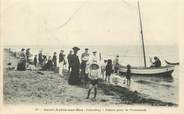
<point x="149" y="71"/>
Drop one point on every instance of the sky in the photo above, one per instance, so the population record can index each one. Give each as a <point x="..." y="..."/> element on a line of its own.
<point x="88" y="22"/>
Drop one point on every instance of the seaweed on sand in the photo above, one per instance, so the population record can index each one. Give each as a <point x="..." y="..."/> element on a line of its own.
<point x="131" y="97"/>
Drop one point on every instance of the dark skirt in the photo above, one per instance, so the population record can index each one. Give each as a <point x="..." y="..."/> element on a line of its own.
<point x="74" y="78"/>
<point x="21" y="66"/>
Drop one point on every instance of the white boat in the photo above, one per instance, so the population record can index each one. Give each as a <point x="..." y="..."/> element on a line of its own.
<point x="147" y="71"/>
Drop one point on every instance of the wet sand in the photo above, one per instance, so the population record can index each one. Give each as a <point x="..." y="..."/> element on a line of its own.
<point x="47" y="87"/>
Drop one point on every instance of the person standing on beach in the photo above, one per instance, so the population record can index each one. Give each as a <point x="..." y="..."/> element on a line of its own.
<point x="61" y="62"/>
<point x="28" y="55"/>
<point x="75" y="67"/>
<point x="35" y="60"/>
<point x="84" y="60"/>
<point x="40" y="58"/>
<point x="44" y="60"/>
<point x="116" y="64"/>
<point x="128" y="75"/>
<point x="103" y="68"/>
<point x="54" y="59"/>
<point x="22" y="62"/>
<point x="108" y="70"/>
<point x="69" y="60"/>
<point x="94" y="57"/>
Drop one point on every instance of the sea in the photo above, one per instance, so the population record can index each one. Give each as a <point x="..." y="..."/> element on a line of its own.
<point x="160" y="88"/>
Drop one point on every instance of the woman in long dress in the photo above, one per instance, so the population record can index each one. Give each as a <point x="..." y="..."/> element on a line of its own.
<point x="22" y="62"/>
<point x="61" y="62"/>
<point x="75" y="67"/>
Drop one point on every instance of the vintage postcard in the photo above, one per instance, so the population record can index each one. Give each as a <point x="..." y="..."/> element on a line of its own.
<point x="91" y="56"/>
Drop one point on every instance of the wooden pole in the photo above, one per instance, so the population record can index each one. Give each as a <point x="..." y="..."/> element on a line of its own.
<point x="142" y="37"/>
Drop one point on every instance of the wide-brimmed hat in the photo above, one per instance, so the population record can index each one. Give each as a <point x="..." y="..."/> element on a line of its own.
<point x="22" y="49"/>
<point x="76" y="49"/>
<point x="62" y="50"/>
<point x="94" y="52"/>
<point x="94" y="66"/>
<point x="86" y="49"/>
<point x="155" y="57"/>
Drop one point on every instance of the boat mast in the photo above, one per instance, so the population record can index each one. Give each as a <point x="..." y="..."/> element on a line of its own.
<point x="142" y="37"/>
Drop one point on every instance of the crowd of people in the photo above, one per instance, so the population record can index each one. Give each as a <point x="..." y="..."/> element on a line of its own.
<point x="85" y="70"/>
<point x="24" y="59"/>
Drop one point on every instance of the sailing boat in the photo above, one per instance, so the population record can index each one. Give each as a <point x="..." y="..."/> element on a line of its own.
<point x="147" y="71"/>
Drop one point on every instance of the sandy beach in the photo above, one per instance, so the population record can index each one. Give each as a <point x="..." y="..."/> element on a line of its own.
<point x="47" y="87"/>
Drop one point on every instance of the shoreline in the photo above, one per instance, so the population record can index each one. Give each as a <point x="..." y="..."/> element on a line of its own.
<point x="30" y="87"/>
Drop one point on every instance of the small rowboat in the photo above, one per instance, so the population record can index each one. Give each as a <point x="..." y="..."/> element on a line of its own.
<point x="149" y="71"/>
<point x="169" y="63"/>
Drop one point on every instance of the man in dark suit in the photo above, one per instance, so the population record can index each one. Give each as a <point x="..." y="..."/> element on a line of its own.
<point x="61" y="56"/>
<point x="54" y="59"/>
<point x="40" y="58"/>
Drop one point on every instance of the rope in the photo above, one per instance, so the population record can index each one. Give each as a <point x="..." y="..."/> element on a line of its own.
<point x="70" y="18"/>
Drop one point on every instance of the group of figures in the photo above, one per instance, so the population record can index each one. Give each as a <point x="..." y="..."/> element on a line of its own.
<point x="91" y="67"/>
<point x="51" y="62"/>
<point x="86" y="70"/>
<point x="40" y="60"/>
<point x="24" y="59"/>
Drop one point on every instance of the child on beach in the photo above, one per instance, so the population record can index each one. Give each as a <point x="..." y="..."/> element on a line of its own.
<point x="128" y="75"/>
<point x="93" y="76"/>
<point x="116" y="64"/>
<point x="108" y="70"/>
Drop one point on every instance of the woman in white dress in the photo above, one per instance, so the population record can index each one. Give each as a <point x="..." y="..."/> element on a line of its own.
<point x="62" y="62"/>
